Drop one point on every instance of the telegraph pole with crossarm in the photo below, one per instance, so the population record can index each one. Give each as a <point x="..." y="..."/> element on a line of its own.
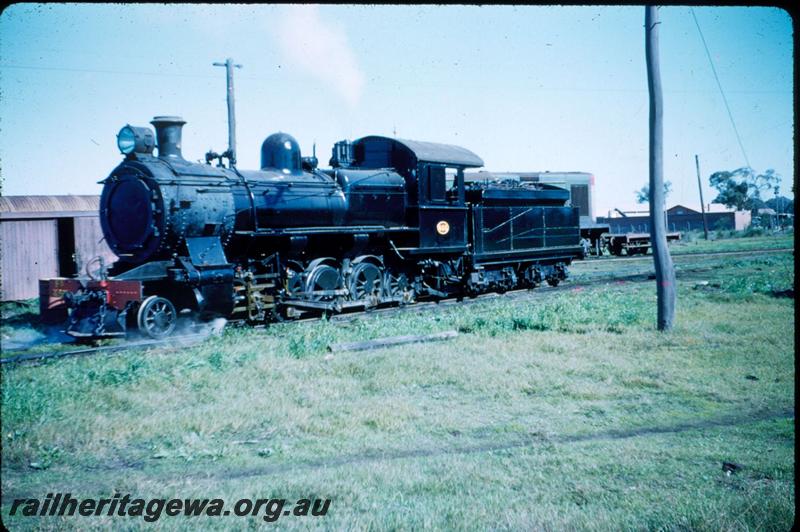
<point x="231" y="153"/>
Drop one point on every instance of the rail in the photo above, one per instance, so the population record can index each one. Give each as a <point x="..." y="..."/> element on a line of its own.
<point x="422" y="306"/>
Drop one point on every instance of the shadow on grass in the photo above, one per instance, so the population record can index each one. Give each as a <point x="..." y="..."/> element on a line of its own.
<point x="789" y="293"/>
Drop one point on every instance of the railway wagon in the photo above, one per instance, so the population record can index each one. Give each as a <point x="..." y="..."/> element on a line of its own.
<point x="633" y="243"/>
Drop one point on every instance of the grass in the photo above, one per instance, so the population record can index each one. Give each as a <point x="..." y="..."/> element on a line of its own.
<point x="691" y="265"/>
<point x="22" y="330"/>
<point x="564" y="411"/>
<point x="694" y="242"/>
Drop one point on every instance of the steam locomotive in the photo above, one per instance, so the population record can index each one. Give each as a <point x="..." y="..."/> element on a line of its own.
<point x="390" y="222"/>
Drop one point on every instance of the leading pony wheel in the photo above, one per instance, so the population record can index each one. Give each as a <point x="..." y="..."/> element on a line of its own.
<point x="157" y="317"/>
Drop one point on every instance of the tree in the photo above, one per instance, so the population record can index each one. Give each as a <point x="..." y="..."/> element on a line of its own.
<point x="781" y="205"/>
<point x="741" y="188"/>
<point x="643" y="194"/>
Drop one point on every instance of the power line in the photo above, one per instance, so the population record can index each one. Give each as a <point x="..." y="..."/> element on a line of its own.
<point x="724" y="99"/>
<point x="90" y="71"/>
<point x="488" y="84"/>
<point x="121" y="72"/>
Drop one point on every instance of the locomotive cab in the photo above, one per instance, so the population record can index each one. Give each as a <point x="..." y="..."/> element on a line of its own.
<point x="439" y="213"/>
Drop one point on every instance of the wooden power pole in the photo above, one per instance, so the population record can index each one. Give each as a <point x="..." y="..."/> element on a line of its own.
<point x="665" y="272"/>
<point x="702" y="203"/>
<point x="231" y="153"/>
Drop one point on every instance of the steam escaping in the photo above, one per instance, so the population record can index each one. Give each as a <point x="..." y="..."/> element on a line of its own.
<point x="216" y="325"/>
<point x="23" y="338"/>
<point x="320" y="49"/>
<point x="197" y="330"/>
<point x="26" y="333"/>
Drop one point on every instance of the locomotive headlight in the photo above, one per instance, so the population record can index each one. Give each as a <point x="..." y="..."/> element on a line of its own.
<point x="132" y="139"/>
<point x="126" y="140"/>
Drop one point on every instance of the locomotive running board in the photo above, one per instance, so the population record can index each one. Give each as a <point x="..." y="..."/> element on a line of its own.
<point x="335" y="306"/>
<point x="324" y="305"/>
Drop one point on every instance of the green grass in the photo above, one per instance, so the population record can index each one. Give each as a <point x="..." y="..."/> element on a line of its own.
<point x="738" y="241"/>
<point x="777" y="264"/>
<point x="563" y="411"/>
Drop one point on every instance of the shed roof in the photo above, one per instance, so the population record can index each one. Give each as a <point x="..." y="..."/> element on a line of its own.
<point x="434" y="152"/>
<point x="681" y="209"/>
<point x="12" y="207"/>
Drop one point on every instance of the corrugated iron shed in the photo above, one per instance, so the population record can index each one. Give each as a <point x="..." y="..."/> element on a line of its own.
<point x="46" y="236"/>
<point x="16" y="207"/>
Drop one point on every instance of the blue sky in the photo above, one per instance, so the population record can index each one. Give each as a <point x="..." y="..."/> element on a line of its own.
<point x="525" y="87"/>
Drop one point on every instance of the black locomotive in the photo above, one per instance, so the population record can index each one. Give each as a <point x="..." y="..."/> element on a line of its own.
<point x="390" y="222"/>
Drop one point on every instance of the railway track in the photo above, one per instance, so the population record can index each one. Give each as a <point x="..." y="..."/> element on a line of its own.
<point x="587" y="279"/>
<point x="676" y="255"/>
<point x="176" y="341"/>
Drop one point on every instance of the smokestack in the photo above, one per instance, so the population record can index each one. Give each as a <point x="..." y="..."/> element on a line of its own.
<point x="168" y="135"/>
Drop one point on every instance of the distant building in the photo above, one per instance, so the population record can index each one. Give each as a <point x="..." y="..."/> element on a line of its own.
<point x="681" y="218"/>
<point x="581" y="186"/>
<point x="47" y="236"/>
<point x="770" y="218"/>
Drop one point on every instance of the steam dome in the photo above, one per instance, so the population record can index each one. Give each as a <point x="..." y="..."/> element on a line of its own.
<point x="280" y="151"/>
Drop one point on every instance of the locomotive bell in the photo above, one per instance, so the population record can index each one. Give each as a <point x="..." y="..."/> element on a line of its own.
<point x="168" y="135"/>
<point x="280" y="151"/>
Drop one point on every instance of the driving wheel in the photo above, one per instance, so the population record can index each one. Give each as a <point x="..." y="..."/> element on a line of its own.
<point x="366" y="282"/>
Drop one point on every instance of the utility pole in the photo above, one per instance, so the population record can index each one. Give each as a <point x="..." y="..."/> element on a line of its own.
<point x="702" y="203"/>
<point x="231" y="153"/>
<point x="665" y="272"/>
